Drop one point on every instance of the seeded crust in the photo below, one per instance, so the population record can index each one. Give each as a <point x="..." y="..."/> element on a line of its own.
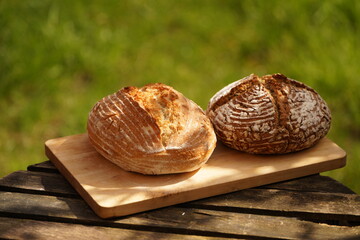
<point x="272" y="114"/>
<point x="151" y="130"/>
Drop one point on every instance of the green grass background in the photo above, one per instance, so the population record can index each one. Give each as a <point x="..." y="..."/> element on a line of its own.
<point x="57" y="58"/>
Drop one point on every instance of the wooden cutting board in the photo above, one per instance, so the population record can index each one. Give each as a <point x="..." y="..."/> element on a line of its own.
<point x="111" y="191"/>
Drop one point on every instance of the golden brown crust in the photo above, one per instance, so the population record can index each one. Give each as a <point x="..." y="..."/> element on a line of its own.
<point x="269" y="115"/>
<point x="151" y="130"/>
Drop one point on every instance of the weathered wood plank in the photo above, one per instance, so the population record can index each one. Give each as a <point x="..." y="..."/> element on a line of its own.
<point x="305" y="204"/>
<point x="313" y="183"/>
<point x="42" y="205"/>
<point x="46" y="166"/>
<point x="252" y="225"/>
<point x="14" y="228"/>
<point x="173" y="219"/>
<point x="335" y="206"/>
<point x="37" y="182"/>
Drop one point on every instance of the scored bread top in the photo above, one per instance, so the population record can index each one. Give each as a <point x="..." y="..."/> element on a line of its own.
<point x="267" y="115"/>
<point x="162" y="104"/>
<point x="151" y="130"/>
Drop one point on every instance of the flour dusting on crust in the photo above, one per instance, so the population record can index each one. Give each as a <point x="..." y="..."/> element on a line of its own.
<point x="268" y="115"/>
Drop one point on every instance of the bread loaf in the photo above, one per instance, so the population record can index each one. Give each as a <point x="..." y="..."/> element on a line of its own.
<point x="269" y="115"/>
<point x="151" y="130"/>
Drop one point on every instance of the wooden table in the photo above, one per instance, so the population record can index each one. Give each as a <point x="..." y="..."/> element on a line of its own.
<point x="40" y="204"/>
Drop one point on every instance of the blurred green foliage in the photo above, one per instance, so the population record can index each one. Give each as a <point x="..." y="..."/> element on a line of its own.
<point x="57" y="58"/>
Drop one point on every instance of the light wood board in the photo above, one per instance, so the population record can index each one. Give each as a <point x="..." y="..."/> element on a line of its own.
<point x="111" y="191"/>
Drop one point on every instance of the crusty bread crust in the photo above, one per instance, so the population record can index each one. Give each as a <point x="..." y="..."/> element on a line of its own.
<point x="151" y="130"/>
<point x="269" y="115"/>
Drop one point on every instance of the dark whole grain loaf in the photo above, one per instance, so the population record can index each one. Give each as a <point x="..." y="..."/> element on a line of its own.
<point x="272" y="114"/>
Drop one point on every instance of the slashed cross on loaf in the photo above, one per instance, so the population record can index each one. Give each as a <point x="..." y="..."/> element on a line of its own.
<point x="272" y="114"/>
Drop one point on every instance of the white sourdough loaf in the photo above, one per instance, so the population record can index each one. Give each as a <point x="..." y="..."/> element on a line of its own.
<point x="269" y="115"/>
<point x="151" y="130"/>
